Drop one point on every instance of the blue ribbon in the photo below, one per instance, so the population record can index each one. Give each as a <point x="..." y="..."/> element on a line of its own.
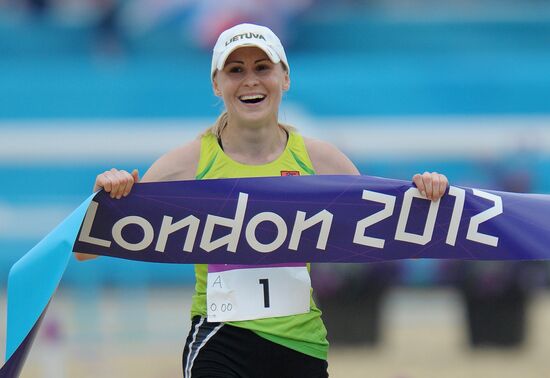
<point x="32" y="282"/>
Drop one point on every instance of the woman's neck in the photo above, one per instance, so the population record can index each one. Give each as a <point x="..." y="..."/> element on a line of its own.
<point x="253" y="144"/>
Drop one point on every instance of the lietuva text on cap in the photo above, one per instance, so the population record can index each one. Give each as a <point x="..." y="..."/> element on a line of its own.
<point x="243" y="36"/>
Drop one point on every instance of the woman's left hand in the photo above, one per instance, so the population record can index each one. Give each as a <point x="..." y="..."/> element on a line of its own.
<point x="432" y="185"/>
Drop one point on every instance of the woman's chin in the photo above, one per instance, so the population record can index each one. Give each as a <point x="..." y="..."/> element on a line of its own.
<point x="255" y="117"/>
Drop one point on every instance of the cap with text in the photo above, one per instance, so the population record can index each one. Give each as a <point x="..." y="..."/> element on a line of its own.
<point x="244" y="35"/>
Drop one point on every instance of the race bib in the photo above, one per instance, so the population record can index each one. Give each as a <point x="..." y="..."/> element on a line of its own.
<point x="243" y="292"/>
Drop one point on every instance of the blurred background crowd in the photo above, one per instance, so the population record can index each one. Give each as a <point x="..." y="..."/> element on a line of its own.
<point x="457" y="86"/>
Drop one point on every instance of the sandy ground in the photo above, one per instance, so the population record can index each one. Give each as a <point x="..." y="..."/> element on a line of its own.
<point x="140" y="333"/>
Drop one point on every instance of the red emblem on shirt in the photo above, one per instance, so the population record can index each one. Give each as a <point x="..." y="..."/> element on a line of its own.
<point x="290" y="173"/>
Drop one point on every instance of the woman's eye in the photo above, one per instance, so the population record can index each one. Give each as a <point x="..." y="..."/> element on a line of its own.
<point x="235" y="69"/>
<point x="262" y="67"/>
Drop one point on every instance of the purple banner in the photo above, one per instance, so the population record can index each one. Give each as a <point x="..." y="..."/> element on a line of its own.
<point x="276" y="220"/>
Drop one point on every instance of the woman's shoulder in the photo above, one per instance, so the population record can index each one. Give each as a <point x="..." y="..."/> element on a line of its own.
<point x="316" y="144"/>
<point x="327" y="159"/>
<point x="179" y="163"/>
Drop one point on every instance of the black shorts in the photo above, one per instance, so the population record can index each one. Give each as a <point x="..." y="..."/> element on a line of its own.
<point x="218" y="350"/>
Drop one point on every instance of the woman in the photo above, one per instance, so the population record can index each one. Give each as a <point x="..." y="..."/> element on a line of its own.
<point x="250" y="72"/>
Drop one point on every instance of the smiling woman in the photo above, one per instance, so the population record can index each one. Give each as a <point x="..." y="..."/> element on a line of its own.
<point x="251" y="86"/>
<point x="231" y="335"/>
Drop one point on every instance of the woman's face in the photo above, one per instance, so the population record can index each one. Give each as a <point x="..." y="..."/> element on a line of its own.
<point x="251" y="85"/>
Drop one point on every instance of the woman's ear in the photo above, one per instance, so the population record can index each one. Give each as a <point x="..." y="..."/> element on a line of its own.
<point x="215" y="87"/>
<point x="286" y="83"/>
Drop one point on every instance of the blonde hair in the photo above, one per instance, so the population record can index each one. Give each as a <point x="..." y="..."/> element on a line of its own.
<point x="221" y="123"/>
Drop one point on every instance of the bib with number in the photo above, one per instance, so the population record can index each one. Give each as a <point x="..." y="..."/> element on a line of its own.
<point x="242" y="292"/>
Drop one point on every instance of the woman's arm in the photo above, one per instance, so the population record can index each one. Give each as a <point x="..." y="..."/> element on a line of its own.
<point x="178" y="164"/>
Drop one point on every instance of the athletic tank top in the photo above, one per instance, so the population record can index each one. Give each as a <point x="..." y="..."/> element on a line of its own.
<point x="305" y="333"/>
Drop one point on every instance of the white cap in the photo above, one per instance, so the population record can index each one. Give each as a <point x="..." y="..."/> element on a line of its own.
<point x="244" y="35"/>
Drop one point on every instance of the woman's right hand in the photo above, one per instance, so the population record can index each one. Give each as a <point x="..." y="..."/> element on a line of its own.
<point x="117" y="183"/>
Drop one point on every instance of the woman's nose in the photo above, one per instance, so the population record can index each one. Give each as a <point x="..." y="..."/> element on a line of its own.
<point x="251" y="79"/>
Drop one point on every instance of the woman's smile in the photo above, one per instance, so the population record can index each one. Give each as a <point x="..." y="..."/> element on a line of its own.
<point x="252" y="98"/>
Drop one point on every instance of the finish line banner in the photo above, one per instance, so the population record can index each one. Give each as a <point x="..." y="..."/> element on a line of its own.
<point x="313" y="219"/>
<point x="274" y="220"/>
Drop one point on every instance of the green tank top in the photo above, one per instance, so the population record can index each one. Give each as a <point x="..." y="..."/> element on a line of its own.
<point x="305" y="333"/>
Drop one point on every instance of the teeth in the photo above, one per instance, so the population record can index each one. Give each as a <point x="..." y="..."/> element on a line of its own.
<point x="251" y="97"/>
